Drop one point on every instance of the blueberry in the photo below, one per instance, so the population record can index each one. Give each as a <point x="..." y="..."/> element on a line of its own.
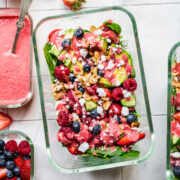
<point x="100" y="73"/>
<point x="2" y="143"/>
<point x="2" y="162"/>
<point x="2" y="156"/>
<point x="66" y="43"/>
<point x="10" y="164"/>
<point x="131" y="117"/>
<point x="87" y="68"/>
<point x="1" y="151"/>
<point x="176" y="171"/>
<point x="76" y="127"/>
<point x="16" y="171"/>
<point x="9" y="174"/>
<point x="27" y="157"/>
<point x="96" y="129"/>
<point x="72" y="78"/>
<point x="9" y="155"/>
<point x="81" y="89"/>
<point x="94" y="113"/>
<point x="79" y="33"/>
<point x="118" y="120"/>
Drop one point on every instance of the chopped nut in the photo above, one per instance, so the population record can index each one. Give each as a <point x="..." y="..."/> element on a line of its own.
<point x="135" y="124"/>
<point x="57" y="96"/>
<point x="93" y="28"/>
<point x="106" y="105"/>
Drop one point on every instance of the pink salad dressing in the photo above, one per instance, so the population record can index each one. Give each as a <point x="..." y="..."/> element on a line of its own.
<point x="14" y="68"/>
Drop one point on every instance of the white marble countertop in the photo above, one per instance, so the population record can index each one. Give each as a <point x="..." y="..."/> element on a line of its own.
<point x="158" y="27"/>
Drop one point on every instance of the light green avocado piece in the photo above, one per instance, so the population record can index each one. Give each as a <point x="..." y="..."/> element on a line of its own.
<point x="130" y="103"/>
<point x="69" y="33"/>
<point x="67" y="62"/>
<point x="175" y="139"/>
<point x="55" y="51"/>
<point x="106" y="83"/>
<point x="90" y="105"/>
<point x="120" y="75"/>
<point x="104" y="43"/>
<point x="71" y="67"/>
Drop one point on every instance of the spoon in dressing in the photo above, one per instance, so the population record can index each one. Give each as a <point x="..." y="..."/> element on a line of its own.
<point x="25" y="5"/>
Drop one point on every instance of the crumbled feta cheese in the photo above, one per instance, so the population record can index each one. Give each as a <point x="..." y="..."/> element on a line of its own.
<point x="108" y="40"/>
<point x="98" y="32"/>
<point x="176" y="79"/>
<point x="71" y="86"/>
<point x="110" y="65"/>
<point x="67" y="106"/>
<point x="75" y="116"/>
<point x="114" y="49"/>
<point x="100" y="110"/>
<point x="90" y="128"/>
<point x="178" y="108"/>
<point x="60" y="49"/>
<point x="74" y="60"/>
<point x="82" y="101"/>
<point x="58" y="88"/>
<point x="176" y="155"/>
<point x="103" y="58"/>
<point x="83" y="147"/>
<point x="101" y="92"/>
<point x="61" y="33"/>
<point x="121" y="62"/>
<point x="118" y="83"/>
<point x="68" y="36"/>
<point x="62" y="67"/>
<point x="78" y="45"/>
<point x="83" y="52"/>
<point x="76" y="105"/>
<point x="126" y="93"/>
<point x="100" y="66"/>
<point x="80" y="59"/>
<point x="125" y="111"/>
<point x="57" y="113"/>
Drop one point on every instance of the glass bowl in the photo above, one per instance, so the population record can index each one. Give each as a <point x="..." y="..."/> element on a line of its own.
<point x="174" y="53"/>
<point x="19" y="136"/>
<point x="27" y="98"/>
<point x="59" y="156"/>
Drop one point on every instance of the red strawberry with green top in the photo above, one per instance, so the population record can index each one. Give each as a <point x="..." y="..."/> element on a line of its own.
<point x="74" y="4"/>
<point x="5" y="120"/>
<point x="25" y="170"/>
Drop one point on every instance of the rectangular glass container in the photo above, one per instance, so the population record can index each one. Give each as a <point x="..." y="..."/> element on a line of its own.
<point x="174" y="53"/>
<point x="28" y="95"/>
<point x="59" y="156"/>
<point x="19" y="136"/>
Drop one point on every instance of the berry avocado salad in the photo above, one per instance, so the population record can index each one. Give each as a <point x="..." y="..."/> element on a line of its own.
<point x="175" y="120"/>
<point x="93" y="83"/>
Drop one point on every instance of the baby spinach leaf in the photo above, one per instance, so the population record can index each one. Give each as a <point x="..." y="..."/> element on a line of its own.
<point x="113" y="26"/>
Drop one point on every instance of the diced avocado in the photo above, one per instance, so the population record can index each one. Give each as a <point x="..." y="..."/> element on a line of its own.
<point x="69" y="33"/>
<point x="130" y="103"/>
<point x="55" y="51"/>
<point x="67" y="62"/>
<point x="106" y="83"/>
<point x="77" y="64"/>
<point x="103" y="43"/>
<point x="120" y="75"/>
<point x="71" y="67"/>
<point x="90" y="105"/>
<point x="175" y="139"/>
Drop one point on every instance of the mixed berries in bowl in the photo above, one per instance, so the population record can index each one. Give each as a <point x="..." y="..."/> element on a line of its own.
<point x="93" y="83"/>
<point x="15" y="160"/>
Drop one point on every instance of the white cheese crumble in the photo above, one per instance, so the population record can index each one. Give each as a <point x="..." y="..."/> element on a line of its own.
<point x="75" y="116"/>
<point x="110" y="65"/>
<point x="83" y="147"/>
<point x="125" y="111"/>
<point x="100" y="110"/>
<point x="176" y="79"/>
<point x="176" y="155"/>
<point x="108" y="40"/>
<point x="61" y="33"/>
<point x="83" y="52"/>
<point x="178" y="108"/>
<point x="118" y="83"/>
<point x="98" y="32"/>
<point x="78" y="45"/>
<point x="67" y="106"/>
<point x="103" y="58"/>
<point x="58" y="88"/>
<point x="114" y="49"/>
<point x="121" y="62"/>
<point x="82" y="101"/>
<point x="101" y="92"/>
<point x="71" y="86"/>
<point x="68" y="36"/>
<point x="100" y="66"/>
<point x="60" y="49"/>
<point x="126" y="93"/>
<point x="74" y="60"/>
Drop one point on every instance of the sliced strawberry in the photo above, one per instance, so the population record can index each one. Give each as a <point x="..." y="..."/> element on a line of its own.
<point x="25" y="170"/>
<point x="73" y="148"/>
<point x="5" y="120"/>
<point x="141" y="136"/>
<point x="3" y="172"/>
<point x="115" y="109"/>
<point x="124" y="141"/>
<point x="177" y="116"/>
<point x="108" y="93"/>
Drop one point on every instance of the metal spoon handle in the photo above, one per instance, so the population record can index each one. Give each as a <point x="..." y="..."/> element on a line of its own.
<point x="25" y="5"/>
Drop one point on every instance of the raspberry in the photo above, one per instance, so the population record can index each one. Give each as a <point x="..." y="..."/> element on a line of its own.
<point x="62" y="73"/>
<point x="25" y="170"/>
<point x="11" y="146"/>
<point x="130" y="84"/>
<point x="117" y="94"/>
<point x="115" y="109"/>
<point x="18" y="161"/>
<point x="64" y="118"/>
<point x="24" y="148"/>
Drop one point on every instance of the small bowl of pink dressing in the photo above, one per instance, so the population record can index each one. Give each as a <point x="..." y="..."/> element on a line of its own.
<point x="15" y="69"/>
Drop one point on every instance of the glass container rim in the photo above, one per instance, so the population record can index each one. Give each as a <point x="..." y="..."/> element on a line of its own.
<point x="99" y="167"/>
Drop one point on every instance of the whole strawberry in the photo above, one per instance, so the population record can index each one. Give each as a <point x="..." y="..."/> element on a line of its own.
<point x="24" y="148"/>
<point x="11" y="146"/>
<point x="74" y="4"/>
<point x="25" y="170"/>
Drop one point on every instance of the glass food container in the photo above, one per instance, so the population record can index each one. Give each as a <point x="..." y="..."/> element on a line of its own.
<point x="16" y="81"/>
<point x="174" y="54"/>
<point x="59" y="156"/>
<point x="19" y="136"/>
